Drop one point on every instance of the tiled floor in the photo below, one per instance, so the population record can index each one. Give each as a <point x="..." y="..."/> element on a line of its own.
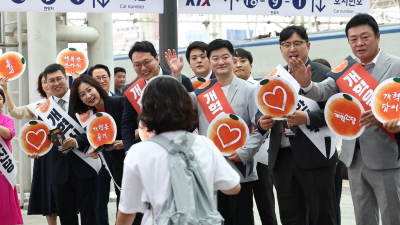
<point x="346" y="208"/>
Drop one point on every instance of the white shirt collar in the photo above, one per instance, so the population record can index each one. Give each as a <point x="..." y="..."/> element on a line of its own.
<point x="160" y="72"/>
<point x="208" y="76"/>
<point x="373" y="61"/>
<point x="251" y="80"/>
<point x="65" y="97"/>
<point x="110" y="94"/>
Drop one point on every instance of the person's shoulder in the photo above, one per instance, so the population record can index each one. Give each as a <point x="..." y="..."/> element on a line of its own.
<point x="385" y="56"/>
<point x="319" y="66"/>
<point x="5" y="118"/>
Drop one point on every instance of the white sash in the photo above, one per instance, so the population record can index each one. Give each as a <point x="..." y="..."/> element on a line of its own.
<point x="7" y="164"/>
<point x="55" y="117"/>
<point x="306" y="104"/>
<point x="32" y="106"/>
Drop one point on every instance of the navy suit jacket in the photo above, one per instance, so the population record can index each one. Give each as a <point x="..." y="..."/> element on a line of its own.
<point x="62" y="164"/>
<point x="211" y="77"/>
<point x="129" y="116"/>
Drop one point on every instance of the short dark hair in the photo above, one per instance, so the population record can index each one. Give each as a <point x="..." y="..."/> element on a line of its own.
<point x="2" y="95"/>
<point x="288" y="31"/>
<point x="196" y="44"/>
<point x="323" y="62"/>
<point x="362" y="19"/>
<point x="40" y="87"/>
<point x="243" y="53"/>
<point x="77" y="103"/>
<point x="53" y="68"/>
<point x="166" y="106"/>
<point x="98" y="66"/>
<point x="142" y="46"/>
<point x="217" y="44"/>
<point x="119" y="69"/>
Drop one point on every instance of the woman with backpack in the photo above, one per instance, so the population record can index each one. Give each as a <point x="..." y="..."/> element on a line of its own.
<point x="173" y="175"/>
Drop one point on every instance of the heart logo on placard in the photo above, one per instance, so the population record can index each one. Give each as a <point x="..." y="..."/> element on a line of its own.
<point x="36" y="136"/>
<point x="273" y="93"/>
<point x="230" y="130"/>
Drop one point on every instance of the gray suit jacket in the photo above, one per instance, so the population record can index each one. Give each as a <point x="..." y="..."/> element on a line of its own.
<point x="241" y="98"/>
<point x="379" y="152"/>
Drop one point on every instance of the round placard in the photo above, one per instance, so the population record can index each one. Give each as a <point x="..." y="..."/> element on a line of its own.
<point x="101" y="129"/>
<point x="32" y="138"/>
<point x="275" y="96"/>
<point x="12" y="65"/>
<point x="143" y="132"/>
<point x="228" y="132"/>
<point x="73" y="60"/>
<point x="197" y="82"/>
<point x="343" y="114"/>
<point x="385" y="102"/>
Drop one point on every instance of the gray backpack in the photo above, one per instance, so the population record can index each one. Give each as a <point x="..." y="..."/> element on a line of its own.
<point x="190" y="201"/>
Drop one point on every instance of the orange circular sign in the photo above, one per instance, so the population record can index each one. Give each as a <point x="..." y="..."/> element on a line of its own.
<point x="84" y="116"/>
<point x="44" y="106"/>
<point x="33" y="138"/>
<point x="385" y="102"/>
<point x="228" y="132"/>
<point x="340" y="67"/>
<point x="12" y="65"/>
<point x="73" y="60"/>
<point x="197" y="82"/>
<point x="275" y="96"/>
<point x="343" y="114"/>
<point x="205" y="84"/>
<point x="101" y="129"/>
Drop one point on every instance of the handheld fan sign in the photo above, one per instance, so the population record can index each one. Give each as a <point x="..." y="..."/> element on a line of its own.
<point x="275" y="96"/>
<point x="33" y="138"/>
<point x="228" y="132"/>
<point x="197" y="82"/>
<point x="385" y="102"/>
<point x="12" y="65"/>
<point x="343" y="114"/>
<point x="101" y="130"/>
<point x="73" y="60"/>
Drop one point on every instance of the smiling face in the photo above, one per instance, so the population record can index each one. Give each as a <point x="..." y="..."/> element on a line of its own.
<point x="242" y="67"/>
<point x="46" y="88"/>
<point x="221" y="62"/>
<point x="199" y="63"/>
<point x="300" y="51"/>
<point x="89" y="95"/>
<point x="363" y="42"/>
<point x="102" y="77"/>
<point x="146" y="66"/>
<point x="57" y="83"/>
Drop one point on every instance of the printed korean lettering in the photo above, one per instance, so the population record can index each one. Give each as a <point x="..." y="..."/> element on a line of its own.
<point x="5" y="160"/>
<point x="213" y="103"/>
<point x="9" y="66"/>
<point x="137" y="92"/>
<point x="54" y="116"/>
<point x="301" y="105"/>
<point x="343" y="117"/>
<point x="360" y="87"/>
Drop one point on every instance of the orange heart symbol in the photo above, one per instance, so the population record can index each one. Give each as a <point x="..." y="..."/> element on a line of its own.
<point x="273" y="97"/>
<point x="38" y="139"/>
<point x="226" y="130"/>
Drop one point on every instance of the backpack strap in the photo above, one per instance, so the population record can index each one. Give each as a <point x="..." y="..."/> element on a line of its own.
<point x="172" y="148"/>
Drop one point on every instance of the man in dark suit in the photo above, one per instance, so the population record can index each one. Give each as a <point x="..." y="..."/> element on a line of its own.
<point x="146" y="64"/>
<point x="73" y="180"/>
<point x="303" y="177"/>
<point x="196" y="55"/>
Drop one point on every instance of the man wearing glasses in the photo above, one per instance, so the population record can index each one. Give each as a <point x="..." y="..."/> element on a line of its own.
<point x="302" y="176"/>
<point x="102" y="74"/>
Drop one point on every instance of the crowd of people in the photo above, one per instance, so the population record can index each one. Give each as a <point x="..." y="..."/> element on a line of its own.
<point x="308" y="185"/>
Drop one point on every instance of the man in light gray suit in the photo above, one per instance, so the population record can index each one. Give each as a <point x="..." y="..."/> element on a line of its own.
<point x="373" y="168"/>
<point x="236" y="209"/>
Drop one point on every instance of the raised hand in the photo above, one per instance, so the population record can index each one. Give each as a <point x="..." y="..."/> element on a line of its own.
<point x="3" y="82"/>
<point x="300" y="72"/>
<point x="174" y="63"/>
<point x="74" y="75"/>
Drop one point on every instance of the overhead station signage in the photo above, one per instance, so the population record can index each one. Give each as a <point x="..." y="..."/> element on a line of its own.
<point x="90" y="6"/>
<point x="328" y="8"/>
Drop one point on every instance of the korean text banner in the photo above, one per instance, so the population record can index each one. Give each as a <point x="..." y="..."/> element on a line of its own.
<point x="90" y="6"/>
<point x="330" y="8"/>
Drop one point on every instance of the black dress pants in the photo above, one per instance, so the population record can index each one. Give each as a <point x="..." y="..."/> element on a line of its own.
<point x="264" y="195"/>
<point x="237" y="209"/>
<point x="76" y="192"/>
<point x="299" y="188"/>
